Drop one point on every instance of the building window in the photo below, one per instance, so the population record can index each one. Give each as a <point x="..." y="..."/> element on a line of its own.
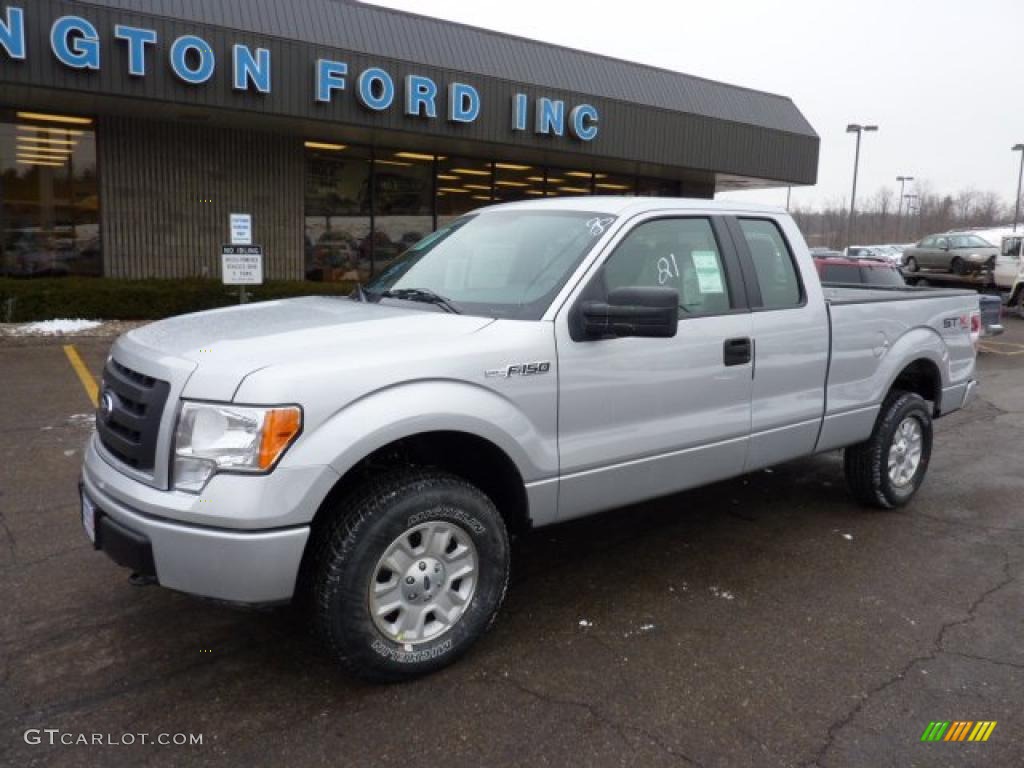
<point x="364" y="208"/>
<point x="49" y="196"/>
<point x="403" y="203"/>
<point x="338" y="243"/>
<point x="568" y="183"/>
<point x="611" y="184"/>
<point x="517" y="181"/>
<point x="462" y="185"/>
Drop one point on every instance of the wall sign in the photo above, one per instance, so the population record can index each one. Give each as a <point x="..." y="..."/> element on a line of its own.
<point x="75" y="43"/>
<point x="241" y="264"/>
<point x="241" y="228"/>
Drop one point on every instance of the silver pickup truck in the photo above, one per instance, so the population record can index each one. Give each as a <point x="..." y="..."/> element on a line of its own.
<point x="526" y="364"/>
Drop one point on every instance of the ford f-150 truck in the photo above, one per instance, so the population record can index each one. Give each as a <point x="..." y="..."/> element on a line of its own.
<point x="527" y="364"/>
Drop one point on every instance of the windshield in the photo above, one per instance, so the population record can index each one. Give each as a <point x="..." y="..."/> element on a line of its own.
<point x="506" y="264"/>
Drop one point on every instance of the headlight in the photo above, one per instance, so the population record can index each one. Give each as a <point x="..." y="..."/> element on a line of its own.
<point x="216" y="437"/>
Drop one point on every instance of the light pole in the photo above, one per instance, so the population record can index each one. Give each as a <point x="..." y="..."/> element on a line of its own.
<point x="910" y="208"/>
<point x="899" y="214"/>
<point x="858" y="129"/>
<point x="1020" y="175"/>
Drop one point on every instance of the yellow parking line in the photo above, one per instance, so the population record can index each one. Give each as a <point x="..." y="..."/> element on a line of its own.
<point x="84" y="376"/>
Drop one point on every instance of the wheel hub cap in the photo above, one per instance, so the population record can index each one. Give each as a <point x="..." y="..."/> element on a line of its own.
<point x="423" y="582"/>
<point x="905" y="452"/>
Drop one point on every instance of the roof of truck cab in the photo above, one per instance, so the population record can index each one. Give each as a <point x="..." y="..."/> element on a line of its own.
<point x="622" y="206"/>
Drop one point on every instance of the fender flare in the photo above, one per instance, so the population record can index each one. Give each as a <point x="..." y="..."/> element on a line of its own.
<point x="403" y="410"/>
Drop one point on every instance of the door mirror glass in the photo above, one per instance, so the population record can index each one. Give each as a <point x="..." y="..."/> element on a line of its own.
<point x="649" y="312"/>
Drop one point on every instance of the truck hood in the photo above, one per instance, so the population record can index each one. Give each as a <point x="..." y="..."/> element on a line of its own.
<point x="228" y="344"/>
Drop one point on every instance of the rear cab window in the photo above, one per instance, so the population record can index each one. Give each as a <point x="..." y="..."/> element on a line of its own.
<point x="777" y="275"/>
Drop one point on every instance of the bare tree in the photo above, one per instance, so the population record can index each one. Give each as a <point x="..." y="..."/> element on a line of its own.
<point x="925" y="212"/>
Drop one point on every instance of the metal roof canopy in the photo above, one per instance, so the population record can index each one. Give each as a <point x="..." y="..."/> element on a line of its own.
<point x="649" y="118"/>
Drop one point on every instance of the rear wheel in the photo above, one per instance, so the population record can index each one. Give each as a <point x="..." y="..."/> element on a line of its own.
<point x="886" y="470"/>
<point x="1018" y="303"/>
<point x="409" y="575"/>
<point x="911" y="265"/>
<point x="958" y="266"/>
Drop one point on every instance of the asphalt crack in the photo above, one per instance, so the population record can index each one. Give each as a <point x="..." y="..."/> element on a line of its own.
<point x="12" y="543"/>
<point x="986" y="659"/>
<point x="833" y="730"/>
<point x="619" y="728"/>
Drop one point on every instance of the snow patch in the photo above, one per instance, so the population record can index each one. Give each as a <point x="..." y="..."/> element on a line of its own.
<point x="58" y="327"/>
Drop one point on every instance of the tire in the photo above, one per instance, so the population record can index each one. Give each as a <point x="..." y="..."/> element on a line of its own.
<point x="348" y="564"/>
<point x="911" y="265"/>
<point x="1018" y="303"/>
<point x="868" y="473"/>
<point x="958" y="267"/>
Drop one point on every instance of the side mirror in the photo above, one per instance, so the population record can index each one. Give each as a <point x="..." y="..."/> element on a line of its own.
<point x="646" y="312"/>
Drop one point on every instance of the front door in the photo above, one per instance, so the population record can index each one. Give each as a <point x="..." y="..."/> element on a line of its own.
<point x="643" y="417"/>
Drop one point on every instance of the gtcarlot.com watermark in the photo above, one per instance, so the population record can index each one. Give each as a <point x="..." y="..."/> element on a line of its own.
<point x="56" y="737"/>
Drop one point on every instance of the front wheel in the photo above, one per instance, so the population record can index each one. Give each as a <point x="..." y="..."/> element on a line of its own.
<point x="911" y="264"/>
<point x="410" y="573"/>
<point x="959" y="267"/>
<point x="886" y="470"/>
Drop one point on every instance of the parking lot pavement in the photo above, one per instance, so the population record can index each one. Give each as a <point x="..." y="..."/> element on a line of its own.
<point x="760" y="622"/>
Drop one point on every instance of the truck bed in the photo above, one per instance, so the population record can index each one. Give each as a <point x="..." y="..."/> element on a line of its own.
<point x="871" y="345"/>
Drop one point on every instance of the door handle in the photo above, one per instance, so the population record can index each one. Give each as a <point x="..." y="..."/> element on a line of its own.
<point x="737" y="351"/>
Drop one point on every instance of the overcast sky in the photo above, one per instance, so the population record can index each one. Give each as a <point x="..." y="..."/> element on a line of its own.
<point x="943" y="79"/>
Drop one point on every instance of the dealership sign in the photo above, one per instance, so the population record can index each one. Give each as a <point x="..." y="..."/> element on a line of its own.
<point x="75" y="43"/>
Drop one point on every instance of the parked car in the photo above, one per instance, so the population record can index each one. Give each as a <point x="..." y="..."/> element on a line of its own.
<point x="843" y="271"/>
<point x="959" y="253"/>
<point x="893" y="253"/>
<point x="532" y="363"/>
<point x="334" y="257"/>
<point x="862" y="252"/>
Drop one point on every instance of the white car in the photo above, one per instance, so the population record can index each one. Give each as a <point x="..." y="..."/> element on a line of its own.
<point x="866" y="252"/>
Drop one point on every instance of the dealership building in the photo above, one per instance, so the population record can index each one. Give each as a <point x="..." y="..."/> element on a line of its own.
<point x="131" y="130"/>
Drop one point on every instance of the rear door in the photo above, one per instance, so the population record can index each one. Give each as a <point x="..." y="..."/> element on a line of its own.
<point x="791" y="339"/>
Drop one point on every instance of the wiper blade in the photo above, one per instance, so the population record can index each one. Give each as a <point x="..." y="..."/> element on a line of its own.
<point x="424" y="295"/>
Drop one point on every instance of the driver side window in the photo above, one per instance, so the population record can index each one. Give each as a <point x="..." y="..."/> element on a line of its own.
<point x="674" y="253"/>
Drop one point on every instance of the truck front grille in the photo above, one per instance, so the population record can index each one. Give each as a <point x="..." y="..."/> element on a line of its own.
<point x="128" y="420"/>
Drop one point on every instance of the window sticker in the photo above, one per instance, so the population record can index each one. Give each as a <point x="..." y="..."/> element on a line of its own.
<point x="709" y="275"/>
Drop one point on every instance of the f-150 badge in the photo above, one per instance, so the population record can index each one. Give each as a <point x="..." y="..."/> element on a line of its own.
<point x="519" y="369"/>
